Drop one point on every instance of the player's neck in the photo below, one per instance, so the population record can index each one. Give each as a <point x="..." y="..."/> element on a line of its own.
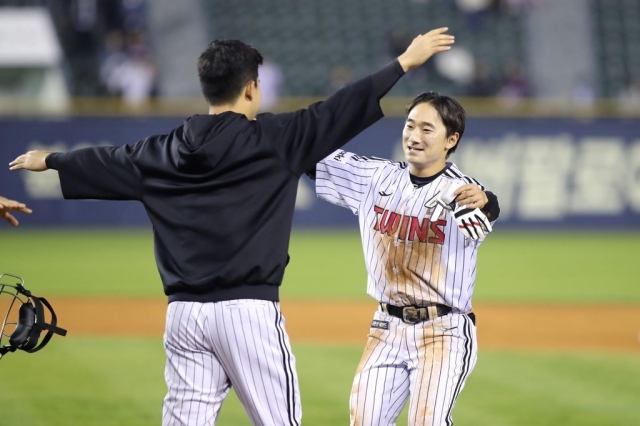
<point x="238" y="108"/>
<point x="427" y="170"/>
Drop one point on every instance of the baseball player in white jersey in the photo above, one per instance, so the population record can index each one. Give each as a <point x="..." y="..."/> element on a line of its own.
<point x="421" y="224"/>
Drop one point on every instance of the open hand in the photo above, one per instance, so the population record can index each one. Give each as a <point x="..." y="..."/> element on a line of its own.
<point x="424" y="46"/>
<point x="7" y="205"/>
<point x="32" y="160"/>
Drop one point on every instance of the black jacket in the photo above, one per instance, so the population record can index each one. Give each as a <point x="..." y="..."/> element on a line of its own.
<point x="220" y="190"/>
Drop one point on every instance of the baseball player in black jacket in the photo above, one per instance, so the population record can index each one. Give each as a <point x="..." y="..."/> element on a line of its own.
<point x="220" y="192"/>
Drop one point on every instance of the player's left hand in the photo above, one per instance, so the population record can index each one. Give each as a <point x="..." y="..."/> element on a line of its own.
<point x="471" y="196"/>
<point x="472" y="222"/>
<point x="32" y="160"/>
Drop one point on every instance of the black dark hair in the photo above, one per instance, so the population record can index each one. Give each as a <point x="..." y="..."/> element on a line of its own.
<point x="224" y="69"/>
<point x="451" y="113"/>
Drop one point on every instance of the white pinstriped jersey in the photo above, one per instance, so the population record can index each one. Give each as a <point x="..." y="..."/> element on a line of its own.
<point x="410" y="260"/>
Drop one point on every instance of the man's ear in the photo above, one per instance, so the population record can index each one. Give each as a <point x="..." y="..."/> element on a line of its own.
<point x="452" y="141"/>
<point x="250" y="90"/>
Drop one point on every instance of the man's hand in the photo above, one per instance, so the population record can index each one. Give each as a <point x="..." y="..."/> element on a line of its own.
<point x="32" y="160"/>
<point x="8" y="205"/>
<point x="471" y="196"/>
<point x="424" y="46"/>
<point x="472" y="222"/>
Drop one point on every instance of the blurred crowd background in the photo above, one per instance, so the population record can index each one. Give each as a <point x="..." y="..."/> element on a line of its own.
<point x="576" y="52"/>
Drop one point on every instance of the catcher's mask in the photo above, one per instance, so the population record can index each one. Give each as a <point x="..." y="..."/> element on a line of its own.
<point x="24" y="331"/>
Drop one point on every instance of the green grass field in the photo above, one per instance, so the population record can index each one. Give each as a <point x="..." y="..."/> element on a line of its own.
<point x="536" y="267"/>
<point x="100" y="381"/>
<point x="119" y="382"/>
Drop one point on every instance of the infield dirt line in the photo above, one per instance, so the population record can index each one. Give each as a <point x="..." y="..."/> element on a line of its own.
<point x="500" y="326"/>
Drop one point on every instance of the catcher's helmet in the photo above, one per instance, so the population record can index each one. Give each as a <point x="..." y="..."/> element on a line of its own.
<point x="24" y="331"/>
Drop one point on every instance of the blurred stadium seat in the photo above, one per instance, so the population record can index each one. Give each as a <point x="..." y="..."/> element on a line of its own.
<point x="616" y="26"/>
<point x="357" y="33"/>
<point x="321" y="44"/>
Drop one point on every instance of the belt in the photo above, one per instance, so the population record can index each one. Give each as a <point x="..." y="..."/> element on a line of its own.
<point x="416" y="314"/>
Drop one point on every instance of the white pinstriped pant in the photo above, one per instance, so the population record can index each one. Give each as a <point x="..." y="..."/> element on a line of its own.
<point x="213" y="346"/>
<point x="428" y="363"/>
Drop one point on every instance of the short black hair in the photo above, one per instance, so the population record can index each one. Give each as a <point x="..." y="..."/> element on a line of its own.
<point x="451" y="113"/>
<point x="225" y="67"/>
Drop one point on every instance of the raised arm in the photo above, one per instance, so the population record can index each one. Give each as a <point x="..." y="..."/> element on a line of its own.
<point x="304" y="137"/>
<point x="100" y="173"/>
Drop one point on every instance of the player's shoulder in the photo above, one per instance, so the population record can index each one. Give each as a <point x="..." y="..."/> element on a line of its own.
<point x="385" y="164"/>
<point x="345" y="157"/>
<point x="453" y="172"/>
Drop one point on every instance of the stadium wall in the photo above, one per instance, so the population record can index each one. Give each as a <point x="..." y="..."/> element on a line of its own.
<point x="547" y="172"/>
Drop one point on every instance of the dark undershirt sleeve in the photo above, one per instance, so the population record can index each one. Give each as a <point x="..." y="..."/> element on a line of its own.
<point x="492" y="208"/>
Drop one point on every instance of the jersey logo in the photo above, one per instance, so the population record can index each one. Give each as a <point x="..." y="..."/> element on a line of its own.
<point x="384" y="325"/>
<point x="431" y="200"/>
<point x="340" y="157"/>
<point x="409" y="228"/>
<point x="384" y="194"/>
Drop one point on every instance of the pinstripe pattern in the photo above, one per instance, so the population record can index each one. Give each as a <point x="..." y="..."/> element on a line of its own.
<point x="402" y="270"/>
<point x="213" y="346"/>
<point x="410" y="261"/>
<point x="429" y="362"/>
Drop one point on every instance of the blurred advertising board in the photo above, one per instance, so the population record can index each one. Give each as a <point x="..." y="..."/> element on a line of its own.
<point x="547" y="172"/>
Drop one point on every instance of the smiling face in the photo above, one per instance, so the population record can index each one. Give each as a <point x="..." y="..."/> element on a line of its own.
<point x="425" y="142"/>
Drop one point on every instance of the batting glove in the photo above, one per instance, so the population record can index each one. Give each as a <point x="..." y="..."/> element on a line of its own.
<point x="444" y="200"/>
<point x="472" y="222"/>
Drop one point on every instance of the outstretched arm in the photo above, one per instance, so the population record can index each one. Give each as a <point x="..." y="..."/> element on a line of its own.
<point x="7" y="205"/>
<point x="100" y="173"/>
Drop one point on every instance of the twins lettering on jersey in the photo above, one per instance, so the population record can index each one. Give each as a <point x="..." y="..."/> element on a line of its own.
<point x="409" y="228"/>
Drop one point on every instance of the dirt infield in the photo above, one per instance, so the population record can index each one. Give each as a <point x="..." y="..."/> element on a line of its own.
<point x="500" y="326"/>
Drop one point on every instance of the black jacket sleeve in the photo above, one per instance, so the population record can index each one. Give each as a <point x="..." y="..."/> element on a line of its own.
<point x="101" y="173"/>
<point x="492" y="208"/>
<point x="304" y="137"/>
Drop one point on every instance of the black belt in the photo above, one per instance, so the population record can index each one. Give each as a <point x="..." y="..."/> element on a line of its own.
<point x="414" y="314"/>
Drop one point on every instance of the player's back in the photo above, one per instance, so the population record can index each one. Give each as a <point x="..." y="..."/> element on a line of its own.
<point x="221" y="202"/>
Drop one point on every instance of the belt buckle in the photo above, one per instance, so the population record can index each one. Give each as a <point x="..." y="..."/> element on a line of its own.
<point x="411" y="314"/>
